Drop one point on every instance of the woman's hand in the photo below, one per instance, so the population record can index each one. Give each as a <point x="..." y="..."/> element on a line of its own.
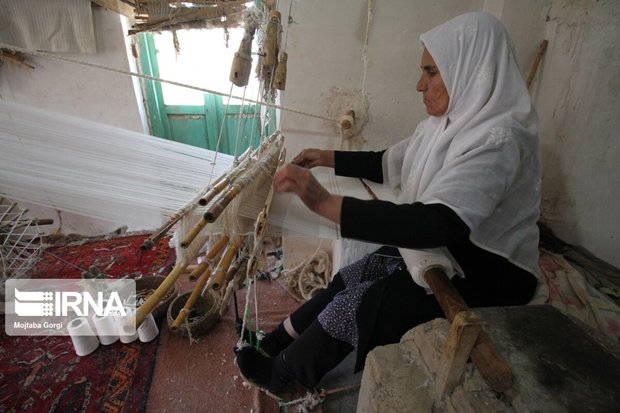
<point x="309" y="158"/>
<point x="293" y="178"/>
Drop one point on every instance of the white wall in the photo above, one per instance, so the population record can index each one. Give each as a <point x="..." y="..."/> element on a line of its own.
<point x="578" y="99"/>
<point x="326" y="68"/>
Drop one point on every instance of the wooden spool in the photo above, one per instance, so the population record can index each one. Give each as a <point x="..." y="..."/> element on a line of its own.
<point x="240" y="69"/>
<point x="242" y="62"/>
<point x="271" y="43"/>
<point x="280" y="76"/>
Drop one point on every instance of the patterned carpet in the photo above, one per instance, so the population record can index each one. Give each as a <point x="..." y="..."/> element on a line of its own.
<point x="43" y="374"/>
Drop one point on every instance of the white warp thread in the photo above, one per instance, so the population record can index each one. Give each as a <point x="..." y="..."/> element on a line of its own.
<point x="97" y="170"/>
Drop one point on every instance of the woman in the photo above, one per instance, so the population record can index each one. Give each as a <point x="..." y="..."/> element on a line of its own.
<point x="468" y="181"/>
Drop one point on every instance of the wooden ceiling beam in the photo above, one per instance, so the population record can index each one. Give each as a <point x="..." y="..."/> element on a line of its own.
<point x="117" y="6"/>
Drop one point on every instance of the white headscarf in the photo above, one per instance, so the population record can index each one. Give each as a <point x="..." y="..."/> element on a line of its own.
<point x="481" y="157"/>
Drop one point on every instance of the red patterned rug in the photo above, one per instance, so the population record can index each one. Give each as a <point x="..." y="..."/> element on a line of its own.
<point x="43" y="374"/>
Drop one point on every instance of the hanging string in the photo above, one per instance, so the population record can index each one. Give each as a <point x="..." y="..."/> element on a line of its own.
<point x="261" y="120"/>
<point x="241" y="114"/>
<point x="245" y="115"/>
<point x="248" y="290"/>
<point x="254" y="119"/>
<point x="365" y="49"/>
<point x="288" y="26"/>
<point x="256" y="306"/>
<point x="343" y="139"/>
<point x="157" y="79"/>
<point x="219" y="138"/>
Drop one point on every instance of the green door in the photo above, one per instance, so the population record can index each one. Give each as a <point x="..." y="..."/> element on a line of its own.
<point x="211" y="126"/>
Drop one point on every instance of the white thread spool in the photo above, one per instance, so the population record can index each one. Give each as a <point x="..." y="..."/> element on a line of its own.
<point x="106" y="329"/>
<point x="83" y="337"/>
<point x="148" y="329"/>
<point x="122" y="326"/>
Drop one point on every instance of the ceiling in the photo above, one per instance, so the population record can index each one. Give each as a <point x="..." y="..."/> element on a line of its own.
<point x="158" y="15"/>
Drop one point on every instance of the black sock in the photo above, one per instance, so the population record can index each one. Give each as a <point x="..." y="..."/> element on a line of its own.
<point x="277" y="340"/>
<point x="313" y="354"/>
<point x="266" y="372"/>
<point x="272" y="343"/>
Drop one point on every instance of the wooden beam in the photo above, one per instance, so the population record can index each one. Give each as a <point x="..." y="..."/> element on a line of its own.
<point x="14" y="58"/>
<point x="117" y="6"/>
<point x="493" y="368"/>
<point x="461" y="338"/>
<point x="541" y="52"/>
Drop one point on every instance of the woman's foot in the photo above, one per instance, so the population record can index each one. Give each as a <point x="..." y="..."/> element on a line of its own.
<point x="257" y="341"/>
<point x="267" y="373"/>
<point x="270" y="344"/>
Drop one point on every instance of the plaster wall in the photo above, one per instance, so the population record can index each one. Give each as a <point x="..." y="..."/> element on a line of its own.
<point x="341" y="53"/>
<point x="356" y="55"/>
<point x="578" y="101"/>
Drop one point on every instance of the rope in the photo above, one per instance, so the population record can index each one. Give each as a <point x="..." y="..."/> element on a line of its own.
<point x="219" y="138"/>
<point x="248" y="289"/>
<point x="157" y="79"/>
<point x="241" y="116"/>
<point x="288" y="26"/>
<point x="308" y="402"/>
<point x="312" y="274"/>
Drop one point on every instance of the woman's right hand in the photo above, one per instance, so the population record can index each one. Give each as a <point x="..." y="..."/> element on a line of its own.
<point x="300" y="181"/>
<point x="309" y="158"/>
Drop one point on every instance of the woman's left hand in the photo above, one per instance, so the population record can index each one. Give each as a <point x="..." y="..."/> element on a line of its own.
<point x="293" y="178"/>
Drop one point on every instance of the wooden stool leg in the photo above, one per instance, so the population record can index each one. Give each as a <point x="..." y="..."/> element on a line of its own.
<point x="489" y="362"/>
<point x="461" y="338"/>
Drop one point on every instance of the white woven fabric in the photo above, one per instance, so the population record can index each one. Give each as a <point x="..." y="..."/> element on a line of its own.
<point x="481" y="157"/>
<point x="48" y="25"/>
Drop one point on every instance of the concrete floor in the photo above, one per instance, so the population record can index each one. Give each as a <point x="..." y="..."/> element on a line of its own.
<point x="202" y="376"/>
<point x="342" y="377"/>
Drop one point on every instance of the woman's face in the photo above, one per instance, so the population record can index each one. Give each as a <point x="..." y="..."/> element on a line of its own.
<point x="431" y="85"/>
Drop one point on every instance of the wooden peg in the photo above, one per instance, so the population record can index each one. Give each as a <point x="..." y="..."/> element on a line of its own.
<point x="462" y="336"/>
<point x="489" y="362"/>
<point x="280" y="76"/>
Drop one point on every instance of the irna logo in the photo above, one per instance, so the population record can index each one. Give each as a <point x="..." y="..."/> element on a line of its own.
<point x="47" y="306"/>
<point x="62" y="303"/>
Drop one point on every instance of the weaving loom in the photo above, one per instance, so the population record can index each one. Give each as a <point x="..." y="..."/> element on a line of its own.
<point x="122" y="176"/>
<point x="98" y="171"/>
